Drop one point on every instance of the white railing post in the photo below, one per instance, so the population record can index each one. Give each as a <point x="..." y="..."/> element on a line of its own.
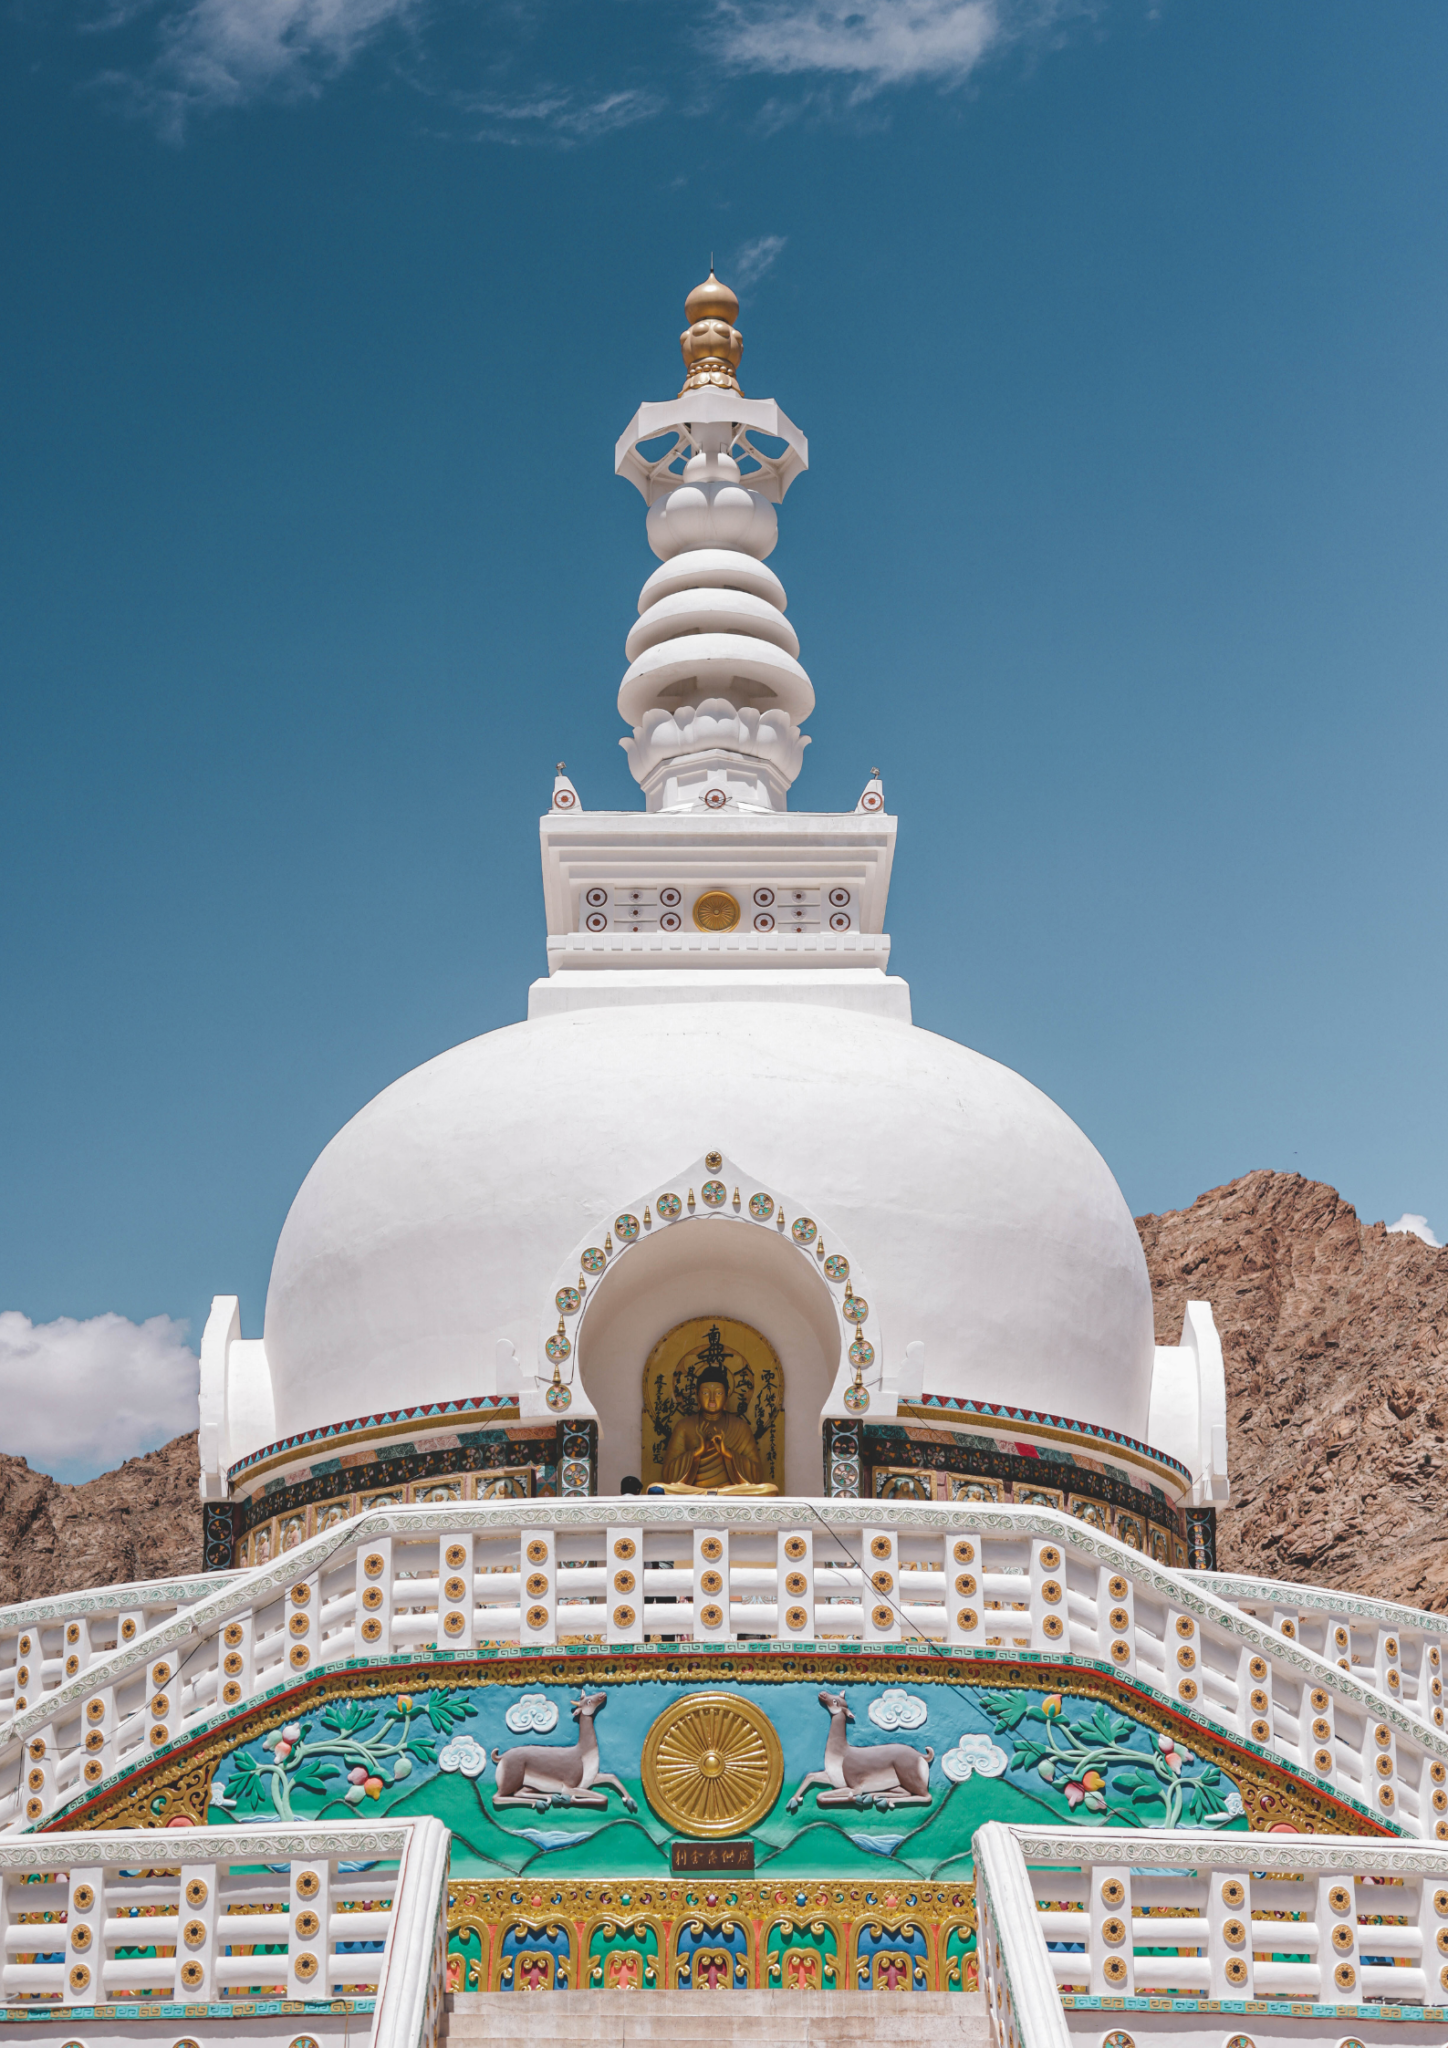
<point x="1048" y="1598"/>
<point x="456" y="1603"/>
<point x="77" y="1646"/>
<point x="160" y="1704"/>
<point x="84" y="1982"/>
<point x="309" y="1931"/>
<point x="1432" y="1920"/>
<point x="1108" y="1908"/>
<point x="1254" y="1696"/>
<point x="538" y="1588"/>
<point x="303" y="1609"/>
<point x="27" y="1670"/>
<point x="238" y="1680"/>
<point x="1380" y="1769"/>
<point x="623" y="1589"/>
<point x="1182" y="1650"/>
<point x="1116" y="1619"/>
<point x="1229" y="1933"/>
<point x="375" y="1583"/>
<point x="794" y="1614"/>
<point x="196" y="1933"/>
<point x="713" y="1621"/>
<point x="39" y="1777"/>
<point x="880" y="1586"/>
<point x="964" y="1602"/>
<point x="1339" y="1964"/>
<point x="100" y="1728"/>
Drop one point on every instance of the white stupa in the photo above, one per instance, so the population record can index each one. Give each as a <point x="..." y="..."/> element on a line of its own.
<point x="718" y="1107"/>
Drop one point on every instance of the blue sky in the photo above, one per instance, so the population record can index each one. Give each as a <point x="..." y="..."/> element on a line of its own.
<point x="1118" y="333"/>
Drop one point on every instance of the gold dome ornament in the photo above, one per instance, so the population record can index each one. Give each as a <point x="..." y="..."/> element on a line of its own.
<point x="711" y="343"/>
<point x="712" y="1765"/>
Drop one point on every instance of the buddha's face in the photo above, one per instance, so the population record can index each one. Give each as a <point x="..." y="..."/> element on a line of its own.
<point x="711" y="1397"/>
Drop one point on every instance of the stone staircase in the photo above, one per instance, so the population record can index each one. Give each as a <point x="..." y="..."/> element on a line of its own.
<point x="734" y="2019"/>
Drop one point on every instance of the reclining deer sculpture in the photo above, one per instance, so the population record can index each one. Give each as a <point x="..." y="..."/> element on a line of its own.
<point x="543" y="1775"/>
<point x="889" y="1773"/>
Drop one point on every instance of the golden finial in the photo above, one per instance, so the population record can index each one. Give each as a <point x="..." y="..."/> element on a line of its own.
<point x="712" y="344"/>
<point x="648" y="1219"/>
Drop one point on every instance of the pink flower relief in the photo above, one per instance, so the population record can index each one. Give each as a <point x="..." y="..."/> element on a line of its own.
<point x="1075" y="1792"/>
<point x="283" y="1750"/>
<point x="357" y="1775"/>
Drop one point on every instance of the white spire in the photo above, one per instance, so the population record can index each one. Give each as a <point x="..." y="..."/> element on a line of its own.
<point x="714" y="692"/>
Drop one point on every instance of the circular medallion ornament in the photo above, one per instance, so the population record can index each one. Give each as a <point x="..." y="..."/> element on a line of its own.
<point x="837" y="1268"/>
<point x="761" y="1207"/>
<point x="567" y="1299"/>
<point x="803" y="1230"/>
<point x="575" y="1473"/>
<point x="593" y="1260"/>
<point x="714" y="1192"/>
<point x="712" y="1765"/>
<point x="558" y="1398"/>
<point x="862" y="1352"/>
<point x="625" y="1228"/>
<point x="668" y="1207"/>
<point x="856" y="1308"/>
<point x="857" y="1399"/>
<point x="716" y="911"/>
<point x="558" y="1348"/>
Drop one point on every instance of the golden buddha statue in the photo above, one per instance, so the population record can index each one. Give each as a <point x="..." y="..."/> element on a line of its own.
<point x="714" y="1450"/>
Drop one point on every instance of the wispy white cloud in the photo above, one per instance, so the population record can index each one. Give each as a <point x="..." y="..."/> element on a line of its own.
<point x="79" y="1397"/>
<point x="1413" y="1226"/>
<point x="755" y="260"/>
<point x="877" y="43"/>
<point x="215" y="54"/>
<point x="562" y="116"/>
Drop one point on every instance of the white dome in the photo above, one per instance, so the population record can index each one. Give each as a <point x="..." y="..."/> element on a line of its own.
<point x="437" y="1221"/>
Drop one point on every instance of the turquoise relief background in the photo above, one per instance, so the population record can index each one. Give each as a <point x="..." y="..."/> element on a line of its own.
<point x="996" y="1755"/>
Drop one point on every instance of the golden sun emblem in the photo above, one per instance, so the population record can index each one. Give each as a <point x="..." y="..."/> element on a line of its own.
<point x="712" y="1765"/>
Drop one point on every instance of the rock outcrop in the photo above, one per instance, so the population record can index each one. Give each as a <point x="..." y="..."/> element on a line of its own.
<point x="142" y="1521"/>
<point x="1335" y="1336"/>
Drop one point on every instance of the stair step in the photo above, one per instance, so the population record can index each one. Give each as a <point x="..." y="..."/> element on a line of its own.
<point x="723" y="2019"/>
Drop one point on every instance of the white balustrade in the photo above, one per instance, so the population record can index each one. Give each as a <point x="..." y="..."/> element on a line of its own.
<point x="934" y="1579"/>
<point x="1161" y="1927"/>
<point x="1398" y="1650"/>
<point x="342" y="1918"/>
<point x="45" y="1642"/>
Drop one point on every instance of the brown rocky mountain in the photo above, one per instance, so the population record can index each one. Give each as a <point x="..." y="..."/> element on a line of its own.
<point x="1335" y="1337"/>
<point x="142" y="1521"/>
<point x="1336" y="1342"/>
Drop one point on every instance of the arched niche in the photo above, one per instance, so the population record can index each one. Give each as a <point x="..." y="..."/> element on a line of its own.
<point x="709" y="1265"/>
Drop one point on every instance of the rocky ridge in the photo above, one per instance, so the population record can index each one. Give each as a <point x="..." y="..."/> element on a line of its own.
<point x="1336" y="1343"/>
<point x="142" y="1521"/>
<point x="1335" y="1336"/>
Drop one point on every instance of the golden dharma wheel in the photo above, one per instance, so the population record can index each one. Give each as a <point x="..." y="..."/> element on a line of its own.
<point x="712" y="1765"/>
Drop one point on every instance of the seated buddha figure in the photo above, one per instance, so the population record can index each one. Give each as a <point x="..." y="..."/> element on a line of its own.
<point x="713" y="1451"/>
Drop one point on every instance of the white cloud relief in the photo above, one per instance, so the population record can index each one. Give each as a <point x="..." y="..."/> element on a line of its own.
<point x="79" y="1397"/>
<point x="1409" y="1225"/>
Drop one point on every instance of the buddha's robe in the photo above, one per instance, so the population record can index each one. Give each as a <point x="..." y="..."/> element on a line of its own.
<point x="709" y="1431"/>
